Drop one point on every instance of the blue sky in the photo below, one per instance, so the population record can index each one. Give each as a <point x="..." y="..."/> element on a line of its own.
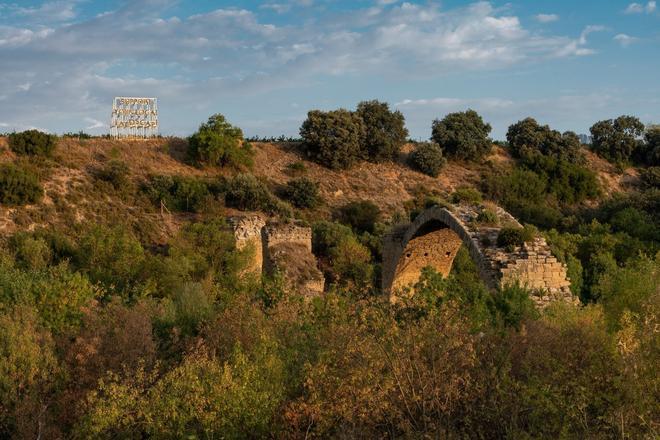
<point x="265" y="64"/>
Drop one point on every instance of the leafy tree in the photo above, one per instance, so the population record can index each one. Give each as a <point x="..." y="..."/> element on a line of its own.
<point x="616" y="139"/>
<point x="385" y="130"/>
<point x="302" y="193"/>
<point x="527" y="137"/>
<point x="32" y="142"/>
<point x="652" y="149"/>
<point x="217" y="142"/>
<point x="335" y="138"/>
<point x="463" y="135"/>
<point x="427" y="158"/>
<point x="19" y="185"/>
<point x="361" y="216"/>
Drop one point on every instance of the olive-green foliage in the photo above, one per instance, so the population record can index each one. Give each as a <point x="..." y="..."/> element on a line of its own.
<point x="247" y="193"/>
<point x="217" y="142"/>
<point x="616" y="139"/>
<point x="19" y="185"/>
<point x="32" y="142"/>
<point x="462" y="135"/>
<point x="427" y="158"/>
<point x="179" y="193"/>
<point x="651" y="177"/>
<point x="487" y="216"/>
<point x="335" y="138"/>
<point x="527" y="137"/>
<point x="385" y="130"/>
<point x="302" y="193"/>
<point x="651" y="151"/>
<point x="326" y="235"/>
<point x="466" y="194"/>
<point x="115" y="172"/>
<point x="361" y="216"/>
<point x="510" y="237"/>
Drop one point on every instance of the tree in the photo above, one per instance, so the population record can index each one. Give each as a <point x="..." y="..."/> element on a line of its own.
<point x="217" y="142"/>
<point x="463" y="135"/>
<point x="385" y="130"/>
<point x="527" y="137"/>
<point x="616" y="140"/>
<point x="302" y="193"/>
<point x="334" y="138"/>
<point x="652" y="150"/>
<point x="427" y="158"/>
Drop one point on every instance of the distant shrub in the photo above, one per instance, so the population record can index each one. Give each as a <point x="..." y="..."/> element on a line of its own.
<point x="32" y="142"/>
<point x="510" y="237"/>
<point x="19" y="185"/>
<point x="487" y="216"/>
<point x="617" y="139"/>
<point x="351" y="265"/>
<point x="527" y="137"/>
<point x="651" y="177"/>
<point x="427" y="158"/>
<point x="302" y="193"/>
<point x="463" y="135"/>
<point x="385" y="130"/>
<point x="361" y="216"/>
<point x="335" y="138"/>
<point x="179" y="193"/>
<point x="465" y="194"/>
<point x="115" y="172"/>
<point x="326" y="235"/>
<point x="296" y="168"/>
<point x="217" y="142"/>
<point x="247" y="193"/>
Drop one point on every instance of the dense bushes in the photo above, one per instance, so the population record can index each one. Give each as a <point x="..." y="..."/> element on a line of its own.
<point x="32" y="142"/>
<point x="19" y="185"/>
<point x="302" y="193"/>
<point x="427" y="158"/>
<point x="462" y="135"/>
<point x="526" y="138"/>
<point x="179" y="193"/>
<point x="511" y="237"/>
<point x="616" y="140"/>
<point x="335" y="138"/>
<point x="217" y="142"/>
<point x="115" y="172"/>
<point x="247" y="193"/>
<point x="361" y="216"/>
<point x="385" y="130"/>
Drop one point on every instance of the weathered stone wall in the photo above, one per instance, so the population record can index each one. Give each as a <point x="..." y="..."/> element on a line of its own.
<point x="409" y="248"/>
<point x="283" y="246"/>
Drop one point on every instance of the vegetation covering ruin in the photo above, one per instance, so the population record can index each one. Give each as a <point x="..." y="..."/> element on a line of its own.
<point x="128" y="311"/>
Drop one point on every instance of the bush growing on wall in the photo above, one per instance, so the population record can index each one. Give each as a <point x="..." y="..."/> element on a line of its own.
<point x="463" y="135"/>
<point x="18" y="185"/>
<point x="427" y="158"/>
<point x="32" y="142"/>
<point x="335" y="138"/>
<point x="217" y="142"/>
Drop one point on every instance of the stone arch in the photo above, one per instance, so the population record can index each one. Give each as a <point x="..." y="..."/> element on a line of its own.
<point x="435" y="236"/>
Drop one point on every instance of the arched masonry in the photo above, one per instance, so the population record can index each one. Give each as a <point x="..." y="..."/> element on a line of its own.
<point x="436" y="235"/>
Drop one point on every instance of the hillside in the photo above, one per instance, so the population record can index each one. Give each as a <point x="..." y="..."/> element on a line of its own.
<point x="73" y="194"/>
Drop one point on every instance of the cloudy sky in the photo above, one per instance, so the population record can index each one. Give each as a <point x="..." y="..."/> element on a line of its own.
<point x="264" y="65"/>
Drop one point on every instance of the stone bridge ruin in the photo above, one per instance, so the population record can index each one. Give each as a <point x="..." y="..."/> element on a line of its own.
<point x="435" y="237"/>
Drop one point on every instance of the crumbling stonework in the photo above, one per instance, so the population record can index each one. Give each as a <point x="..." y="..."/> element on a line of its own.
<point x="282" y="246"/>
<point x="408" y="248"/>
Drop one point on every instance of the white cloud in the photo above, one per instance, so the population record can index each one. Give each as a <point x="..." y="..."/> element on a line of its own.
<point x="577" y="47"/>
<point x="546" y="18"/>
<point x="94" y="124"/>
<point x="624" y="40"/>
<point x="48" y="12"/>
<point x="637" y="8"/>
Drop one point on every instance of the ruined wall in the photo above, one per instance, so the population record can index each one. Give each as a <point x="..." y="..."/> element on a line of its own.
<point x="409" y="248"/>
<point x="283" y="246"/>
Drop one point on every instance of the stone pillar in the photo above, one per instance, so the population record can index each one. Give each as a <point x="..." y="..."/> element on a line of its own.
<point x="247" y="232"/>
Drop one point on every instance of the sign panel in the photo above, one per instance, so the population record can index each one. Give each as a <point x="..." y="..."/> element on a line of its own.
<point x="134" y="117"/>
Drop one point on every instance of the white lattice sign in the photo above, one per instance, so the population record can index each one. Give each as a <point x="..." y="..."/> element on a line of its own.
<point x="134" y="117"/>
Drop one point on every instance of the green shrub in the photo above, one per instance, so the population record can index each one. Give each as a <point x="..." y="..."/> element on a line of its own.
<point x="32" y="142"/>
<point x="361" y="216"/>
<point x="511" y="237"/>
<point x="617" y="139"/>
<point x="385" y="130"/>
<point x="427" y="158"/>
<point x="335" y="138"/>
<point x="217" y="142"/>
<point x="487" y="216"/>
<point x="296" y="168"/>
<point x="302" y="193"/>
<point x="466" y="194"/>
<point x="651" y="177"/>
<point x="19" y="185"/>
<point x="326" y="235"/>
<point x="247" y="193"/>
<point x="178" y="193"/>
<point x="463" y="135"/>
<point x="115" y="172"/>
<point x="527" y="137"/>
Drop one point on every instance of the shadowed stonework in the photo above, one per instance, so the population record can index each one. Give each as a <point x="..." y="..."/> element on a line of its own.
<point x="435" y="236"/>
